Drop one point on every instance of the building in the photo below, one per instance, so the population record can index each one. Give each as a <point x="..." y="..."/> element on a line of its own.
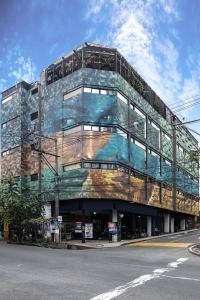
<point x="99" y="144"/>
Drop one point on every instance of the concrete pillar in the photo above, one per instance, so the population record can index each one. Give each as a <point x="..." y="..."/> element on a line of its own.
<point x="114" y="219"/>
<point x="166" y="223"/>
<point x="149" y="225"/>
<point x="182" y="224"/>
<point x="172" y="224"/>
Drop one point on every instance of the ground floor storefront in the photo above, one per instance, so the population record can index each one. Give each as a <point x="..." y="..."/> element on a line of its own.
<point x="117" y="220"/>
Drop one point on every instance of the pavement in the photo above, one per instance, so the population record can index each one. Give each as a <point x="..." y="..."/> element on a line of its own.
<point x="124" y="273"/>
<point x="95" y="244"/>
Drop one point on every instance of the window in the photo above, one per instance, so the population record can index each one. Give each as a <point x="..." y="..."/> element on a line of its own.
<point x="112" y="93"/>
<point x="87" y="127"/>
<point x="4" y="153"/>
<point x="166" y="136"/>
<point x="72" y="130"/>
<point x="95" y="128"/>
<point x="139" y="112"/>
<point x="10" y="122"/>
<point x="122" y="169"/>
<point x="103" y="92"/>
<point x="95" y="166"/>
<point x="7" y="99"/>
<point x="87" y="165"/>
<point x="104" y="128"/>
<point x="122" y="133"/>
<point x="101" y="128"/>
<point x="34" y="91"/>
<point x="140" y="145"/>
<point x="167" y="162"/>
<point x="122" y="98"/>
<point x="72" y="167"/>
<point x="72" y="94"/>
<point x="108" y="129"/>
<point x="87" y="90"/>
<point x="95" y="91"/>
<point x="104" y="166"/>
<point x="34" y="116"/>
<point x="153" y="153"/>
<point x="34" y="177"/>
<point x="154" y="134"/>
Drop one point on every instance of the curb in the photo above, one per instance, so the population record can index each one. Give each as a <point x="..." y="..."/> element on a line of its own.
<point x="99" y="245"/>
<point x="157" y="237"/>
<point x="194" y="249"/>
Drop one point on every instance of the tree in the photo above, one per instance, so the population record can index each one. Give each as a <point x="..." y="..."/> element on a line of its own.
<point x="17" y="208"/>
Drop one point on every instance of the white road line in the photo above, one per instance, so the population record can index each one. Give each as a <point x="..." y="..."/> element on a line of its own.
<point x="176" y="236"/>
<point x="184" y="278"/>
<point x="157" y="273"/>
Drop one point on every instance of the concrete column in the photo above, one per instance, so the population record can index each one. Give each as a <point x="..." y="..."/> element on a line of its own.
<point x="149" y="226"/>
<point x="182" y="224"/>
<point x="114" y="219"/>
<point x="172" y="224"/>
<point x="166" y="223"/>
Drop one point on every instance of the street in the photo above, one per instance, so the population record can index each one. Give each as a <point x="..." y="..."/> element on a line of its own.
<point x="161" y="271"/>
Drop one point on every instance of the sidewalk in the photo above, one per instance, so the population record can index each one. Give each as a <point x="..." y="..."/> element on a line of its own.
<point x="95" y="244"/>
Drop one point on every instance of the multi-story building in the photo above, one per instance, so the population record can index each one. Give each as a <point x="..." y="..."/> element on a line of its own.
<point x="97" y="141"/>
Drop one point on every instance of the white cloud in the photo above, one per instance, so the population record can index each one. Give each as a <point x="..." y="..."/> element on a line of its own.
<point x="21" y="68"/>
<point x="95" y="7"/>
<point x="2" y="85"/>
<point x="135" y="29"/>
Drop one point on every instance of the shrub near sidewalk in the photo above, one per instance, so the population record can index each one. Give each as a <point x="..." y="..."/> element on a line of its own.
<point x="22" y="212"/>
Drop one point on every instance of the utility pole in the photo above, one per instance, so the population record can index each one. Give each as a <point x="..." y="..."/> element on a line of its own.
<point x="39" y="141"/>
<point x="174" y="154"/>
<point x="57" y="180"/>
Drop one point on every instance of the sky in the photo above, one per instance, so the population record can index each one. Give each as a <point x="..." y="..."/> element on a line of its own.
<point x="160" y="38"/>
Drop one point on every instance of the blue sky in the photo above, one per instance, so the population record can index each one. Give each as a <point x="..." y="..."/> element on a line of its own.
<point x="160" y="38"/>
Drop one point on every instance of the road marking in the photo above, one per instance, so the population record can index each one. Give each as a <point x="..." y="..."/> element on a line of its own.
<point x="176" y="236"/>
<point x="184" y="278"/>
<point x="157" y="273"/>
<point x="160" y="244"/>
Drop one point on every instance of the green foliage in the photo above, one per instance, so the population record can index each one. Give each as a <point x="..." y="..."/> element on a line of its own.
<point x="17" y="208"/>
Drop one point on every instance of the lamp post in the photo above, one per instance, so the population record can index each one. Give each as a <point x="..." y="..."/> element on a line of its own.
<point x="121" y="215"/>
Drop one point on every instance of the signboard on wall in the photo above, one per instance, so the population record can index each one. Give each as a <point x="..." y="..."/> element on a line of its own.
<point x="112" y="227"/>
<point x="88" y="230"/>
<point x="78" y="227"/>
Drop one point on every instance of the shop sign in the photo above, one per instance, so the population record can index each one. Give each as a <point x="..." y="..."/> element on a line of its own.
<point x="112" y="227"/>
<point x="78" y="227"/>
<point x="60" y="219"/>
<point x="88" y="230"/>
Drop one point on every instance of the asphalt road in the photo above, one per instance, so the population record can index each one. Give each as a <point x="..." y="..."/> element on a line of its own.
<point x="150" y="272"/>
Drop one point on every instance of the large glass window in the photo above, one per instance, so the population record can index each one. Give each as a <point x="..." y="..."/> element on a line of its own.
<point x="137" y="121"/>
<point x="71" y="167"/>
<point x="7" y="98"/>
<point x="153" y="134"/>
<point x="73" y="93"/>
<point x="122" y="98"/>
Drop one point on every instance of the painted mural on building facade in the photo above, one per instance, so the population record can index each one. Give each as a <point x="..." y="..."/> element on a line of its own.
<point x="97" y="117"/>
